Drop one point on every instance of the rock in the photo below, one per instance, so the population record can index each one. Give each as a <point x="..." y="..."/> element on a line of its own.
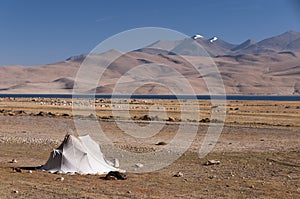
<point x="212" y="162"/>
<point x="206" y="120"/>
<point x="21" y="112"/>
<point x="41" y="113"/>
<point x="161" y="143"/>
<point x="17" y="170"/>
<point x="60" y="179"/>
<point x="11" y="114"/>
<point x="178" y="174"/>
<point x="51" y="114"/>
<point x="15" y="191"/>
<point x="115" y="175"/>
<point x="171" y="119"/>
<point x="145" y="117"/>
<point x="108" y="117"/>
<point x="139" y="165"/>
<point x="13" y="161"/>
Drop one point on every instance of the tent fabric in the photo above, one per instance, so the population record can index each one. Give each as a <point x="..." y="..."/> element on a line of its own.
<point x="78" y="155"/>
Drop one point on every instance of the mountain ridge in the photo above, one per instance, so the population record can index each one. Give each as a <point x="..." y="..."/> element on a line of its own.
<point x="250" y="68"/>
<point x="215" y="46"/>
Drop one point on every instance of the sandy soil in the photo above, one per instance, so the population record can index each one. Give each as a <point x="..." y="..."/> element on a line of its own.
<point x="258" y="151"/>
<point x="269" y="73"/>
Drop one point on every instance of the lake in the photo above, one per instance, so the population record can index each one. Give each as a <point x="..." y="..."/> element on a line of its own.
<point x="200" y="97"/>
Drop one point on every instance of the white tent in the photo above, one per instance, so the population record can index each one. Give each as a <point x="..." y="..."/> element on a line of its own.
<point x="78" y="155"/>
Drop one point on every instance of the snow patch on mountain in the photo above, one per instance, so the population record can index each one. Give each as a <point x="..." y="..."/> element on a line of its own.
<point x="197" y="36"/>
<point x="213" y="39"/>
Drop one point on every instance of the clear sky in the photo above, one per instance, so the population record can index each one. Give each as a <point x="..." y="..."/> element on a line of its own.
<point x="34" y="32"/>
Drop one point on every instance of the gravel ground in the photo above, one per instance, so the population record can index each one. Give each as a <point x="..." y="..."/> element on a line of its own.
<point x="258" y="159"/>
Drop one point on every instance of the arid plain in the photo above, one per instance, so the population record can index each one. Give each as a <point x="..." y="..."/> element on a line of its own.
<point x="258" y="151"/>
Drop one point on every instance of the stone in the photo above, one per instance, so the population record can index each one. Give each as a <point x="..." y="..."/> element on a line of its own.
<point x="60" y="179"/>
<point x="139" y="165"/>
<point x="17" y="170"/>
<point x="178" y="174"/>
<point x="115" y="175"/>
<point x="13" y="161"/>
<point x="171" y="119"/>
<point x="161" y="143"/>
<point x="212" y="162"/>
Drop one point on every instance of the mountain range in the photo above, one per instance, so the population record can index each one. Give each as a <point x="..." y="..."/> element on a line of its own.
<point x="288" y="41"/>
<point x="267" y="67"/>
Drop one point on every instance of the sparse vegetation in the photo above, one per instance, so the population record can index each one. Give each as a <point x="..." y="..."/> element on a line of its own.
<point x="256" y="155"/>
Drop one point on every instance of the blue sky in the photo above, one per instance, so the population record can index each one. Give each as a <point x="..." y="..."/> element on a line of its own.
<point x="34" y="32"/>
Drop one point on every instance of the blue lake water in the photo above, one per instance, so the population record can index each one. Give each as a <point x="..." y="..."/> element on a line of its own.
<point x="200" y="97"/>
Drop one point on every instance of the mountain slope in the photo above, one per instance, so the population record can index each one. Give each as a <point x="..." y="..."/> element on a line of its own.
<point x="287" y="41"/>
<point x="263" y="74"/>
<point x="244" y="45"/>
<point x="268" y="67"/>
<point x="280" y="42"/>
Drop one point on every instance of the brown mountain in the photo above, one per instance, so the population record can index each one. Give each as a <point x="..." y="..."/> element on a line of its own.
<point x="155" y="71"/>
<point x="288" y="41"/>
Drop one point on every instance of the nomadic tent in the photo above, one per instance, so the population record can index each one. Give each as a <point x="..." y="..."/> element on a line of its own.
<point x="78" y="155"/>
